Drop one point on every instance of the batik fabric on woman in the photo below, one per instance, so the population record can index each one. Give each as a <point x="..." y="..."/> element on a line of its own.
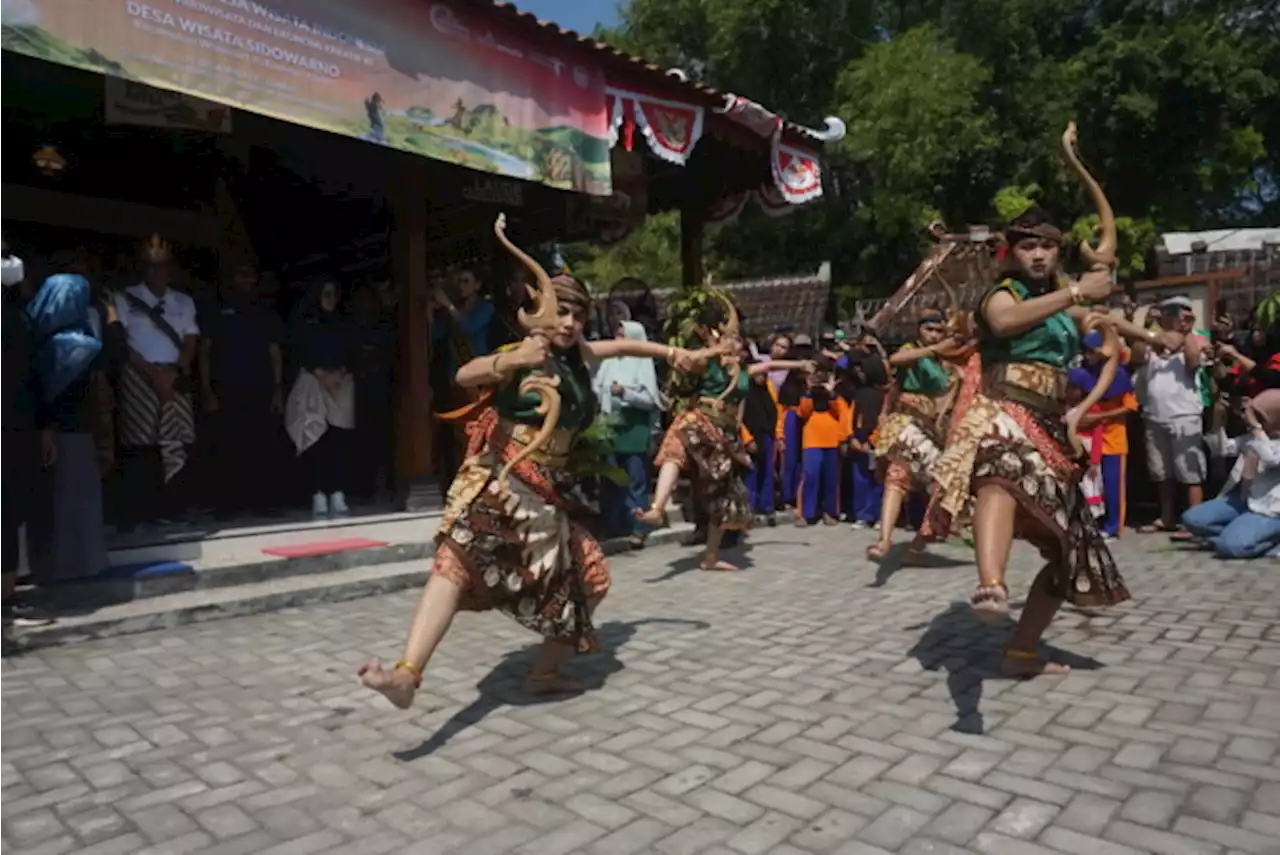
<point x="1010" y="431"/>
<point x="514" y="546"/>
<point x="705" y="442"/>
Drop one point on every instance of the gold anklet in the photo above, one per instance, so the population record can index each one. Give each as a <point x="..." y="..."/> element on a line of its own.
<point x="414" y="670"/>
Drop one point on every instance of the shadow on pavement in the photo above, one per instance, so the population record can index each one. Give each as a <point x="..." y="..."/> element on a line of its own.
<point x="900" y="556"/>
<point x="504" y="685"/>
<point x="970" y="652"/>
<point x="737" y="554"/>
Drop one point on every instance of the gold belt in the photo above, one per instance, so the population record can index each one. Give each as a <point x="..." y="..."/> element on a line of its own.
<point x="720" y="412"/>
<point x="1035" y="385"/>
<point x="555" y="453"/>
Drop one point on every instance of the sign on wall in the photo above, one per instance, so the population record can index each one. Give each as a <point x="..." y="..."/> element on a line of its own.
<point x="436" y="79"/>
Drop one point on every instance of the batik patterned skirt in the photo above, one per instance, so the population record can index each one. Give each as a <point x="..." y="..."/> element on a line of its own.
<point x="704" y="442"/>
<point x="1008" y="431"/>
<point x="909" y="443"/>
<point x="513" y="547"/>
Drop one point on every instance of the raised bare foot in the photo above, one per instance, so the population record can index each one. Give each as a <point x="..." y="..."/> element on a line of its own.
<point x="1032" y="666"/>
<point x="990" y="603"/>
<point x="397" y="685"/>
<point x="878" y="550"/>
<point x="552" y="684"/>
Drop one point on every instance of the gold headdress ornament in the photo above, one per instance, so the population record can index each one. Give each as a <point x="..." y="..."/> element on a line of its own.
<point x="1101" y="257"/>
<point x="542" y="319"/>
<point x="730" y="329"/>
<point x="157" y="251"/>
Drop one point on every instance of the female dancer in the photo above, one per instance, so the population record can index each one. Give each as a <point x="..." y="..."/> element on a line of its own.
<point x="913" y="434"/>
<point x="1009" y="456"/>
<point x="705" y="438"/>
<point x="506" y="541"/>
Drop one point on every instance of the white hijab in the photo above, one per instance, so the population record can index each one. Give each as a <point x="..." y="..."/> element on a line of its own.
<point x="632" y="372"/>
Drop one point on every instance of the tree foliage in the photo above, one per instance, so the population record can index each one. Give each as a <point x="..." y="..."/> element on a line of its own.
<point x="956" y="108"/>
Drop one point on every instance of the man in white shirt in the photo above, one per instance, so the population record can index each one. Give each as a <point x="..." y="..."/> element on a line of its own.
<point x="1173" y="414"/>
<point x="156" y="420"/>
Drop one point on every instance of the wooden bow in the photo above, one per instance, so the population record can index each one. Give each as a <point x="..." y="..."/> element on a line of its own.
<point x="1101" y="257"/>
<point x="541" y="321"/>
<point x="731" y="329"/>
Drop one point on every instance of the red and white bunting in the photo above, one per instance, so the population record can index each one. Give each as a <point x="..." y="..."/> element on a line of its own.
<point x="672" y="128"/>
<point x="797" y="172"/>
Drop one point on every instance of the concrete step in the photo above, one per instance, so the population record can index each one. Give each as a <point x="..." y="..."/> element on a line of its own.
<point x="259" y="593"/>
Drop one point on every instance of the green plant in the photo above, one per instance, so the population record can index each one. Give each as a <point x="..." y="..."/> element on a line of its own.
<point x="590" y="456"/>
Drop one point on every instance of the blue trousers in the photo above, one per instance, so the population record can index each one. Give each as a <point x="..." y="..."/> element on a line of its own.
<point x="790" y="457"/>
<point x="1113" y="492"/>
<point x="760" y="479"/>
<point x="620" y="503"/>
<point x="1234" y="530"/>
<point x="821" y="483"/>
<point x="867" y="491"/>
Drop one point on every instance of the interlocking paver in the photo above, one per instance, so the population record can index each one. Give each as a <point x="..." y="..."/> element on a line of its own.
<point x="787" y="710"/>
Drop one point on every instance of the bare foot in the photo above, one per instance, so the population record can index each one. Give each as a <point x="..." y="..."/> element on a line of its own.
<point x="1015" y="666"/>
<point x="830" y="520"/>
<point x="397" y="684"/>
<point x="719" y="566"/>
<point x="652" y="517"/>
<point x="878" y="550"/>
<point x="990" y="604"/>
<point x="552" y="684"/>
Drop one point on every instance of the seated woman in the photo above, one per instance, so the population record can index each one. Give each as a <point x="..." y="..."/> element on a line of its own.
<point x="507" y="541"/>
<point x="1244" y="521"/>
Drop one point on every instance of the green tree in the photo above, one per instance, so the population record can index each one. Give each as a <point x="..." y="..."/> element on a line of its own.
<point x="651" y="253"/>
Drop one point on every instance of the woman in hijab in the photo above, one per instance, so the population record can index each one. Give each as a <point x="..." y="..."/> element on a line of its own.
<point x="627" y="387"/>
<point x="320" y="413"/>
<point x="66" y="533"/>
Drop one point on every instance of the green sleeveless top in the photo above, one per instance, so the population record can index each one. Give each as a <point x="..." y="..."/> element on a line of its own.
<point x="927" y="376"/>
<point x="578" y="404"/>
<point x="716" y="379"/>
<point x="1054" y="341"/>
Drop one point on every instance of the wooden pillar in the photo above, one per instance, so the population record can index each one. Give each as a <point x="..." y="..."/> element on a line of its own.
<point x="414" y="428"/>
<point x="691" y="225"/>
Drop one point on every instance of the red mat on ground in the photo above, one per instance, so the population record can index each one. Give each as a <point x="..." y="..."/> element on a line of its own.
<point x="323" y="547"/>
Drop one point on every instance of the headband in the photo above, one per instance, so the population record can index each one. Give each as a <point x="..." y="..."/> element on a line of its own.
<point x="569" y="289"/>
<point x="1015" y="232"/>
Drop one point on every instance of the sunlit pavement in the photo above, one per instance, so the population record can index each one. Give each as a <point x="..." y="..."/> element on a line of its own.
<point x="813" y="703"/>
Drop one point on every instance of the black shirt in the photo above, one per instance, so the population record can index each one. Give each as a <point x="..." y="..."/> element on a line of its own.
<point x="241" y="335"/>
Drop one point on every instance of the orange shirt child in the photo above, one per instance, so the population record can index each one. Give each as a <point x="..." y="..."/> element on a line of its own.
<point x="824" y="428"/>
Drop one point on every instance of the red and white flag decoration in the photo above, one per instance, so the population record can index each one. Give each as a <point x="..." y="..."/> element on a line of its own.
<point x="672" y="128"/>
<point x="796" y="171"/>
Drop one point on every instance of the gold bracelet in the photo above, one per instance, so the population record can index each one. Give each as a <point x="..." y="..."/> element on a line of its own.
<point x="1076" y="297"/>
<point x="414" y="671"/>
<point x="494" y="368"/>
<point x="671" y="354"/>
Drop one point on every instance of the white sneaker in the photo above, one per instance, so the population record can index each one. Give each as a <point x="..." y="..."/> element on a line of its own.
<point x="319" y="506"/>
<point x="338" y="504"/>
<point x="858" y="525"/>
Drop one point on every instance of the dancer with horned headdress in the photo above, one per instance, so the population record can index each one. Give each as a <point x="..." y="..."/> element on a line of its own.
<point x="506" y="541"/>
<point x="928" y="375"/>
<point x="1013" y="458"/>
<point x="704" y="440"/>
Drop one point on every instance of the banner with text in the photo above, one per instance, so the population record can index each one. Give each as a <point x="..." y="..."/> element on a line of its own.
<point x="431" y="78"/>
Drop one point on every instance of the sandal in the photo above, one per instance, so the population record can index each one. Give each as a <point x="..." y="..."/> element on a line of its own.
<point x="1157" y="528"/>
<point x="1027" y="664"/>
<point x="636" y="541"/>
<point x="990" y="603"/>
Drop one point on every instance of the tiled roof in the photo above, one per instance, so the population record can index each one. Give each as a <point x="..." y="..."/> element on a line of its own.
<point x="799" y="302"/>
<point x="708" y="95"/>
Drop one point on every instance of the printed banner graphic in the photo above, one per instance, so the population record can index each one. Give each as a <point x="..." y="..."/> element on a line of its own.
<point x="430" y="78"/>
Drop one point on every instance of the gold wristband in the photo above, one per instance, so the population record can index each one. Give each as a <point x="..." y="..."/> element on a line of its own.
<point x="671" y="355"/>
<point x="1076" y="297"/>
<point x="497" y="372"/>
